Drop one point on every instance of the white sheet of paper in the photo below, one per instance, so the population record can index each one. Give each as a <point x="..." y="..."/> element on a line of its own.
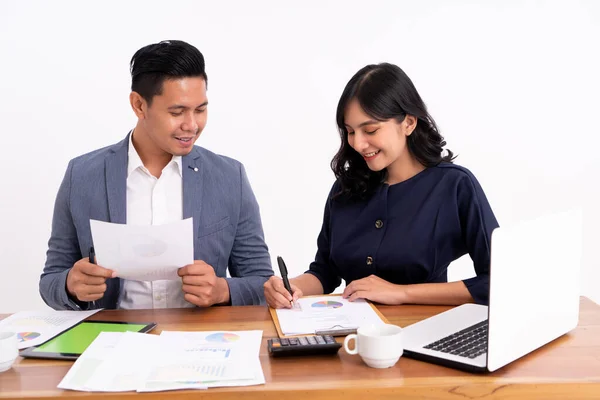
<point x="124" y="370"/>
<point x="132" y="361"/>
<point x="326" y="313"/>
<point x="89" y="361"/>
<point x="36" y="327"/>
<point x="144" y="253"/>
<point x="213" y="358"/>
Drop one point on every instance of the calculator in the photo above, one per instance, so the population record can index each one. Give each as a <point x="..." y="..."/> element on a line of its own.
<point x="303" y="346"/>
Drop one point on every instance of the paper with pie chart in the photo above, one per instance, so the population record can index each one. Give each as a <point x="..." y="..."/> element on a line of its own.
<point x="215" y="358"/>
<point x="132" y="361"/>
<point x="144" y="253"/>
<point x="36" y="327"/>
<point x="326" y="313"/>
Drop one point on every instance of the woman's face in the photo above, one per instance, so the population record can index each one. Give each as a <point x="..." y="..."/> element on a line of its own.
<point x="381" y="143"/>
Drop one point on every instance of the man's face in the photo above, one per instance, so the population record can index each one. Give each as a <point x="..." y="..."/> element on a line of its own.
<point x="177" y="116"/>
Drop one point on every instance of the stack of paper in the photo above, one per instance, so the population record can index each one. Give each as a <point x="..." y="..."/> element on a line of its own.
<point x="117" y="362"/>
<point x="326" y="313"/>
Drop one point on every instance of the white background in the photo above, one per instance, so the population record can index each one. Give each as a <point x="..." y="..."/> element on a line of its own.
<point x="513" y="85"/>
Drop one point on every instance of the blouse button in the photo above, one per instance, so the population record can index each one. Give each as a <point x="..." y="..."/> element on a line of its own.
<point x="369" y="260"/>
<point x="378" y="224"/>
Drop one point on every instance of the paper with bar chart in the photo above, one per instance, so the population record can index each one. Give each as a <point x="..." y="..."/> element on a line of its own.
<point x="130" y="361"/>
<point x="213" y="358"/>
<point x="315" y="314"/>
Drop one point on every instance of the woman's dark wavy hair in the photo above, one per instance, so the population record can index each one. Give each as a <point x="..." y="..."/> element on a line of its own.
<point x="383" y="91"/>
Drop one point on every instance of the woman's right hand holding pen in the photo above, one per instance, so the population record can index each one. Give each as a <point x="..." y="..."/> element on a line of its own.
<point x="278" y="296"/>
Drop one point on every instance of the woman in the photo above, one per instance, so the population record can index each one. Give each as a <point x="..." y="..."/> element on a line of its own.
<point x="399" y="212"/>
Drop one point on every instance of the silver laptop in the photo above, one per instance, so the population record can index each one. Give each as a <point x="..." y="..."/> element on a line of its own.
<point x="534" y="299"/>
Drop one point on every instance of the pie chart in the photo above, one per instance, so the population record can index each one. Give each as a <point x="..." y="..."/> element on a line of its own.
<point x="327" y="304"/>
<point x="25" y="336"/>
<point x="223" y="337"/>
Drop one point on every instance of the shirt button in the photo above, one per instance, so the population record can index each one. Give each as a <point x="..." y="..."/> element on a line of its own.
<point x="378" y="224"/>
<point x="369" y="260"/>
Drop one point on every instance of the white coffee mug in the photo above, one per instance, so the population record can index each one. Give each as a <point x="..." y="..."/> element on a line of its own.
<point x="9" y="350"/>
<point x="380" y="346"/>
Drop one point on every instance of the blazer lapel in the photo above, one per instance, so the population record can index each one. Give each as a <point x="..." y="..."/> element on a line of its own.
<point x="115" y="167"/>
<point x="193" y="177"/>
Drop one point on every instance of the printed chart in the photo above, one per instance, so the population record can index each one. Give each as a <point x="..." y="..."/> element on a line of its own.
<point x="327" y="304"/>
<point x="25" y="336"/>
<point x="223" y="337"/>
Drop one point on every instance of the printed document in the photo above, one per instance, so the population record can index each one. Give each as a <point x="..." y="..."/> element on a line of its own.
<point x="144" y="252"/>
<point x="131" y="361"/>
<point x="326" y="313"/>
<point x="37" y="327"/>
<point x="213" y="358"/>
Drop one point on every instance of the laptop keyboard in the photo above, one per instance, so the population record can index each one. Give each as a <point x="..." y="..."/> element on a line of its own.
<point x="470" y="342"/>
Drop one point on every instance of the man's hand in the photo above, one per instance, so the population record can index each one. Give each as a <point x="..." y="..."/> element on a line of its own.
<point x="201" y="286"/>
<point x="277" y="295"/>
<point x="375" y="289"/>
<point x="87" y="281"/>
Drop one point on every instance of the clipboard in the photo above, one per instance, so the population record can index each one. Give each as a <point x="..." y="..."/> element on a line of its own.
<point x="335" y="330"/>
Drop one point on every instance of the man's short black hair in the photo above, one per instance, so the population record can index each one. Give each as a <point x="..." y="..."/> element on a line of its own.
<point x="151" y="65"/>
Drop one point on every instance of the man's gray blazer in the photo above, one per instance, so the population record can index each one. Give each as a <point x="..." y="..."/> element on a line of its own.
<point x="216" y="193"/>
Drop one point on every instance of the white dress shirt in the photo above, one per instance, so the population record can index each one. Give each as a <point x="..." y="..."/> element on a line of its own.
<point x="152" y="201"/>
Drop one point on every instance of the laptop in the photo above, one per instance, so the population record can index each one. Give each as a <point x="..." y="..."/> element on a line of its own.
<point x="534" y="298"/>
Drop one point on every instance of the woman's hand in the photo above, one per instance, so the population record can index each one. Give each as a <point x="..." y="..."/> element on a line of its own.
<point x="375" y="289"/>
<point x="277" y="295"/>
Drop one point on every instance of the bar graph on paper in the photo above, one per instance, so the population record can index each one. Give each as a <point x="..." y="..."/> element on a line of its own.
<point x="188" y="373"/>
<point x="210" y="352"/>
<point x="195" y="372"/>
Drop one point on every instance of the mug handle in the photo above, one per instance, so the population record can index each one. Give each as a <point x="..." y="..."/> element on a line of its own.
<point x="347" y="340"/>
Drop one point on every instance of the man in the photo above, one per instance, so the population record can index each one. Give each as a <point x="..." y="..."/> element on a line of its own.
<point x="155" y="176"/>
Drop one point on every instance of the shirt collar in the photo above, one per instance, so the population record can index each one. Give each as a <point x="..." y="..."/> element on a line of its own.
<point x="135" y="162"/>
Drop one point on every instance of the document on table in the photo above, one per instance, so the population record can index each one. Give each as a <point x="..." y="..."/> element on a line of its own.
<point x="131" y="361"/>
<point x="36" y="327"/>
<point x="90" y="360"/>
<point x="213" y="358"/>
<point x="144" y="252"/>
<point x="326" y="313"/>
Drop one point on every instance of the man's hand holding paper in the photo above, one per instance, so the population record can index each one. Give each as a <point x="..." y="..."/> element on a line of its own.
<point x="201" y="286"/>
<point x="87" y="281"/>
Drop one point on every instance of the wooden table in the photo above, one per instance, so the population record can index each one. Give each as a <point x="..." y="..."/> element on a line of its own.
<point x="568" y="368"/>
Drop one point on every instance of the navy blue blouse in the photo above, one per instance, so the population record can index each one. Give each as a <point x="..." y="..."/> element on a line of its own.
<point x="408" y="232"/>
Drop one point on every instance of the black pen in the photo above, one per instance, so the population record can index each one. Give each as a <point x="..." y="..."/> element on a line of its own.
<point x="92" y="258"/>
<point x="286" y="282"/>
<point x="92" y="255"/>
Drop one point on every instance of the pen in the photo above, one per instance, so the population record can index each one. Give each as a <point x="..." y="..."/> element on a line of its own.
<point x="92" y="258"/>
<point x="283" y="270"/>
<point x="92" y="255"/>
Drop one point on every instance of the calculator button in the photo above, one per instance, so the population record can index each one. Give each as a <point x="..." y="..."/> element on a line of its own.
<point x="303" y="341"/>
<point x="285" y="342"/>
<point x="311" y="340"/>
<point x="275" y="341"/>
<point x="320" y="340"/>
<point x="293" y="341"/>
<point x="329" y="339"/>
